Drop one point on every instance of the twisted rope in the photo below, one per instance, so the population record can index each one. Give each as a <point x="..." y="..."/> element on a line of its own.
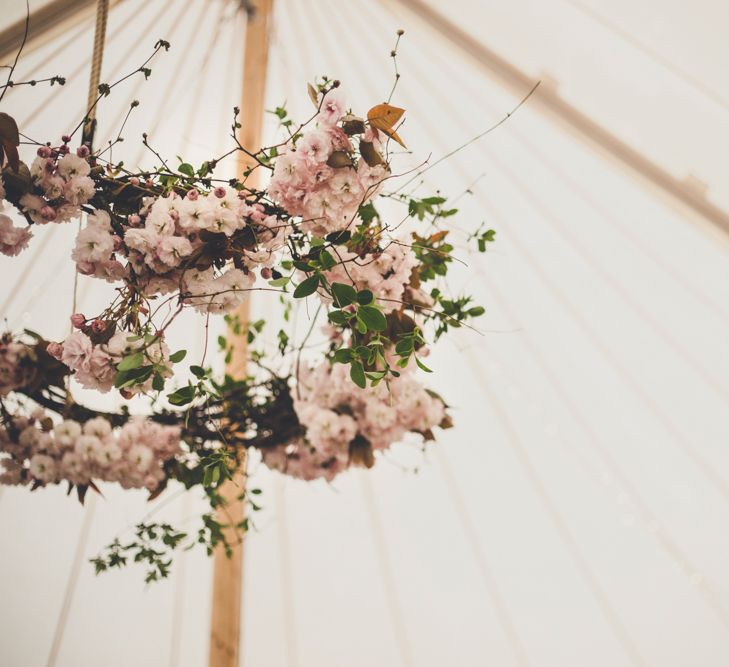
<point x="102" y="15"/>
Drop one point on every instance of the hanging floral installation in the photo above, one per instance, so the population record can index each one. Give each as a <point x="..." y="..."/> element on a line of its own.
<point x="176" y="238"/>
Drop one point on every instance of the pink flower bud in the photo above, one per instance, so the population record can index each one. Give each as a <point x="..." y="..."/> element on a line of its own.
<point x="55" y="350"/>
<point x="64" y="150"/>
<point x="98" y="326"/>
<point x="193" y="194"/>
<point x="117" y="242"/>
<point x="48" y="213"/>
<point x="149" y="183"/>
<point x="219" y="192"/>
<point x="44" y="151"/>
<point x="134" y="181"/>
<point x="66" y="138"/>
<point x="78" y="320"/>
<point x="266" y="273"/>
<point x="83" y="151"/>
<point x="134" y="219"/>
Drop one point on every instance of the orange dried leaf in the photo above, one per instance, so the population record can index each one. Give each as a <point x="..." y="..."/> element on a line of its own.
<point x="383" y="117"/>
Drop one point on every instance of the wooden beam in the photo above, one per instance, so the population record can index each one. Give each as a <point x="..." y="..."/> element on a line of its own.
<point x="225" y="630"/>
<point x="51" y="20"/>
<point x="691" y="199"/>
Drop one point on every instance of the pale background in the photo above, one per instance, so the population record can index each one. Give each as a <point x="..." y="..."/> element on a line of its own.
<point x="578" y="514"/>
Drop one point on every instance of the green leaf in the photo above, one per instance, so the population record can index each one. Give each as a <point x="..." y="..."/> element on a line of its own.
<point x="279" y="282"/>
<point x="358" y="375"/>
<point x="178" y="356"/>
<point x="158" y="383"/>
<point x="132" y="361"/>
<point x="343" y="355"/>
<point x="343" y="294"/>
<point x="404" y="347"/>
<point x="372" y="317"/>
<point x="422" y="366"/>
<point x="182" y="396"/>
<point x="197" y="371"/>
<point x="307" y="287"/>
<point x="133" y="376"/>
<point x="476" y="311"/>
<point x="339" y="317"/>
<point x="303" y="266"/>
<point x="368" y="213"/>
<point x="326" y="260"/>
<point x="186" y="169"/>
<point x="364" y="297"/>
<point x="338" y="238"/>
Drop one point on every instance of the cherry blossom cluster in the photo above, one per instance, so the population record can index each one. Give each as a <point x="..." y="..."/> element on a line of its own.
<point x="387" y="274"/>
<point x="38" y="451"/>
<point x="96" y="248"/>
<point x="95" y="365"/>
<point x="345" y="424"/>
<point x="61" y="184"/>
<point x="320" y="177"/>
<point x="13" y="240"/>
<point x="17" y="366"/>
<point x="174" y="243"/>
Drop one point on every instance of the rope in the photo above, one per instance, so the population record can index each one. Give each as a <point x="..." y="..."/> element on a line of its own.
<point x="46" y="241"/>
<point x="102" y="15"/>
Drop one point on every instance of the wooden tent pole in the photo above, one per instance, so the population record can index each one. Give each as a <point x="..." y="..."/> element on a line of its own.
<point x="225" y="629"/>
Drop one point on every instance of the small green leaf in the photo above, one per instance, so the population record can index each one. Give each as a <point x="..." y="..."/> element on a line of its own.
<point x="178" y="356"/>
<point x="132" y="361"/>
<point x="182" y="396"/>
<point x="365" y="297"/>
<point x="307" y="287"/>
<point x="339" y="317"/>
<point x="358" y="375"/>
<point x="186" y="169"/>
<point x="422" y="366"/>
<point x="372" y="317"/>
<point x="197" y="371"/>
<point x="326" y="260"/>
<point x="303" y="266"/>
<point x="343" y="355"/>
<point x="343" y="294"/>
<point x="158" y="383"/>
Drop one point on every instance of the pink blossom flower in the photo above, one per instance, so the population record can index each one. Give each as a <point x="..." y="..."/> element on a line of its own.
<point x="333" y="108"/>
<point x="13" y="240"/>
<point x="77" y="349"/>
<point x="314" y="147"/>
